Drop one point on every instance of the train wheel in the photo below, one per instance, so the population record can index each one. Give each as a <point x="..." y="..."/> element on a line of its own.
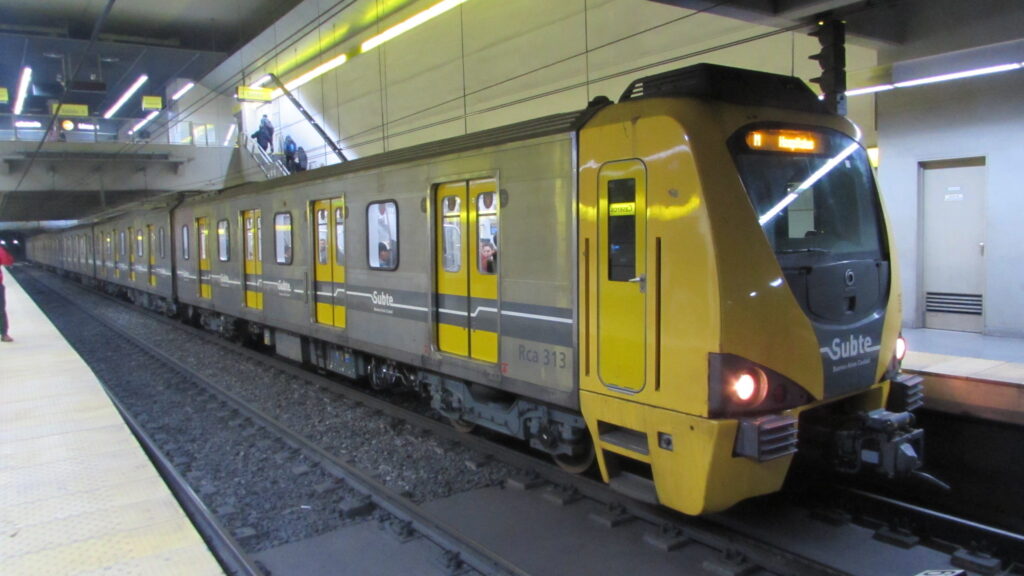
<point x="576" y="464"/>
<point x="462" y="426"/>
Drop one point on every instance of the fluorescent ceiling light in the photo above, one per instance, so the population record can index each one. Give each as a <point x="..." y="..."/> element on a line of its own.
<point x="144" y="121"/>
<point x="124" y="97"/>
<point x="405" y="26"/>
<point x="314" y="73"/>
<point x="231" y="134"/>
<point x="958" y="75"/>
<point x="28" y="124"/>
<point x="26" y="79"/>
<point x="183" y="90"/>
<point x="939" y="78"/>
<point x="262" y="80"/>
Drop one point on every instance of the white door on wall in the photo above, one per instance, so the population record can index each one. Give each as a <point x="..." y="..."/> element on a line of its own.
<point x="953" y="198"/>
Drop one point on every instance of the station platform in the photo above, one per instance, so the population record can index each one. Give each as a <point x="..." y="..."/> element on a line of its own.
<point x="77" y="493"/>
<point x="967" y="373"/>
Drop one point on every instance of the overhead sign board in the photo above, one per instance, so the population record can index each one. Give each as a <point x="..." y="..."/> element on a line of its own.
<point x="76" y="110"/>
<point x="152" y="103"/>
<point x="247" y="94"/>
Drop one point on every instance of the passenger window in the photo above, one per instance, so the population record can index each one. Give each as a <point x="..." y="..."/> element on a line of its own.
<point x="487" y="233"/>
<point x="283" y="237"/>
<point x="223" y="241"/>
<point x="452" y="244"/>
<point x="184" y="242"/>
<point x="323" y="238"/>
<point x="382" y="234"/>
<point x="339" y="236"/>
<point x="621" y="230"/>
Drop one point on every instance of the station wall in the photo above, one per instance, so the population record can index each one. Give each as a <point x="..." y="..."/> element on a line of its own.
<point x="981" y="117"/>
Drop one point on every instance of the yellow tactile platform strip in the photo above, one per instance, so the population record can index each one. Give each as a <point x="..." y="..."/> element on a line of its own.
<point x="989" y="389"/>
<point x="77" y="493"/>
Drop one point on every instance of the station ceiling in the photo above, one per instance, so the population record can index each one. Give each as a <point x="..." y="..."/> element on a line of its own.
<point x="169" y="39"/>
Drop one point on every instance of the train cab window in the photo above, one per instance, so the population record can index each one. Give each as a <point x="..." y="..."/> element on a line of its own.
<point x="339" y="236"/>
<point x="184" y="242"/>
<point x="283" y="237"/>
<point x="323" y="238"/>
<point x="452" y="242"/>
<point x="223" y="241"/>
<point x="382" y="235"/>
<point x="622" y="230"/>
<point x="162" y="243"/>
<point x="487" y="233"/>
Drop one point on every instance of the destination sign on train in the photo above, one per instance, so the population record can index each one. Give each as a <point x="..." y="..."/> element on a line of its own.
<point x="799" y="141"/>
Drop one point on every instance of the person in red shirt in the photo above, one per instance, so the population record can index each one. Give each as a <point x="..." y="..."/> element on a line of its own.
<point x="5" y="260"/>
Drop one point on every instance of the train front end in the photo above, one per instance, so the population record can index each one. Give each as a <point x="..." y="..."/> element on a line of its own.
<point x="739" y="292"/>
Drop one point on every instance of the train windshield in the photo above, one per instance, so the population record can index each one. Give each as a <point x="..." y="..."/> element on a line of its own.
<point x="813" y="192"/>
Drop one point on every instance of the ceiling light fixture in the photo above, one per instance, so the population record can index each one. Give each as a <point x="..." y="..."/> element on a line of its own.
<point x="26" y="79"/>
<point x="314" y="73"/>
<point x="124" y="97"/>
<point x="177" y="95"/>
<point x="144" y="121"/>
<point x="409" y="24"/>
<point x="938" y="78"/>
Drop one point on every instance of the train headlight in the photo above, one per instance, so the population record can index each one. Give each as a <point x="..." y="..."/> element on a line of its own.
<point x="739" y="387"/>
<point x="901" y="348"/>
<point x="750" y="387"/>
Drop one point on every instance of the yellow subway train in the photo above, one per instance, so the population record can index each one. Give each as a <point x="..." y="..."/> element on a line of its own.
<point x="686" y="286"/>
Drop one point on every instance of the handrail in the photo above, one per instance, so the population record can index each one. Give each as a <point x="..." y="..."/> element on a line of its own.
<point x="302" y="110"/>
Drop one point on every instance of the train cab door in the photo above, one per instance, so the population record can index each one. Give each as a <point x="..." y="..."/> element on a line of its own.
<point x="203" y="248"/>
<point x="622" y="275"/>
<point x="329" y="265"/>
<point x="253" y="250"/>
<point x="151" y="254"/>
<point x="467" y="270"/>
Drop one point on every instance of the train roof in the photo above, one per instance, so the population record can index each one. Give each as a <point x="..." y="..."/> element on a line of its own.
<point x="727" y="84"/>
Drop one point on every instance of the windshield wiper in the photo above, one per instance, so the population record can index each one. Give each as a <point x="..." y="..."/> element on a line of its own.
<point x="803" y="251"/>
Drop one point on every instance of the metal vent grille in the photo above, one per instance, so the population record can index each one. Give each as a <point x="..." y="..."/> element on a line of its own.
<point x="953" y="303"/>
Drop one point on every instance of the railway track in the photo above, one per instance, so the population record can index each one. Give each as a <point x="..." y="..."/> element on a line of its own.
<point x="637" y="533"/>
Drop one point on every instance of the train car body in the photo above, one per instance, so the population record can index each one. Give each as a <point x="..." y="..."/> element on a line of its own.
<point x="678" y="286"/>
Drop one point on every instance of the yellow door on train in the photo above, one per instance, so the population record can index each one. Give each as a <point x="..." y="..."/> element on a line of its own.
<point x="252" y="248"/>
<point x="338" y="259"/>
<point x="483" y="274"/>
<point x="622" y="275"/>
<point x="151" y="259"/>
<point x="452" y="274"/>
<point x="203" y="247"/>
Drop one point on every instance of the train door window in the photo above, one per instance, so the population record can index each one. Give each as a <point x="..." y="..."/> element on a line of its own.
<point x="487" y="233"/>
<point x="204" y="234"/>
<point x="339" y="235"/>
<point x="451" y="240"/>
<point x="162" y="242"/>
<point x="323" y="237"/>
<point x="140" y="241"/>
<point x="185" y="253"/>
<point x="382" y="235"/>
<point x="283" y="237"/>
<point x="122" y="244"/>
<point x="621" y="230"/>
<point x="259" y="237"/>
<point x="223" y="241"/>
